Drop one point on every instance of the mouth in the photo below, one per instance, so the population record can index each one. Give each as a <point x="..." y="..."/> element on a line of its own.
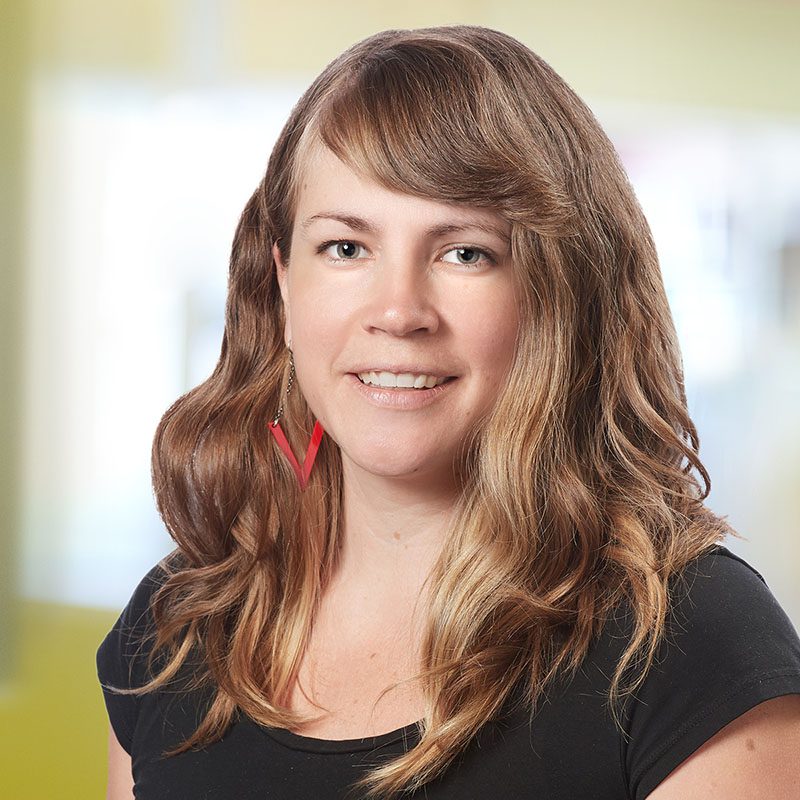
<point x="400" y="398"/>
<point x="447" y="380"/>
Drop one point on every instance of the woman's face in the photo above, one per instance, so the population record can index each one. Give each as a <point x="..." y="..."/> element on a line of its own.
<point x="380" y="290"/>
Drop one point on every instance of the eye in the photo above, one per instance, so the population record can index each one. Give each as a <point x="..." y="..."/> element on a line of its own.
<point x="347" y="249"/>
<point x="470" y="252"/>
<point x="344" y="247"/>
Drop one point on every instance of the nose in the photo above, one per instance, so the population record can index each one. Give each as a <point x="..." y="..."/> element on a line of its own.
<point x="401" y="301"/>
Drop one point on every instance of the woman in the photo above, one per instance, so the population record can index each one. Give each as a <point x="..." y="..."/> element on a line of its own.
<point x="499" y="579"/>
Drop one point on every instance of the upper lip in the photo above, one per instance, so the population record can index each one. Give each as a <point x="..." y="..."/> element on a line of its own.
<point x="399" y="369"/>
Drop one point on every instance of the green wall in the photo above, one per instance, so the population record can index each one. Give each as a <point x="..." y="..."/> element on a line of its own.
<point x="53" y="725"/>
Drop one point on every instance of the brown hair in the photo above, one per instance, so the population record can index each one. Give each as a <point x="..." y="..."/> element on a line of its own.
<point x="578" y="494"/>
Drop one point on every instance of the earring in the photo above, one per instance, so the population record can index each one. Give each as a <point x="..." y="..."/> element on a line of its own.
<point x="283" y="443"/>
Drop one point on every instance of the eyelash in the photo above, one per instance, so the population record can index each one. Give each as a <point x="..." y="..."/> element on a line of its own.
<point x="485" y="253"/>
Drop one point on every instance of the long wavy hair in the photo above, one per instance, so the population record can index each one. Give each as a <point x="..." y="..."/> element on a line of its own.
<point x="578" y="493"/>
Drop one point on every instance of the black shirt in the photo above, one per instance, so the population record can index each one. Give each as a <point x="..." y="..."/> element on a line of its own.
<point x="731" y="646"/>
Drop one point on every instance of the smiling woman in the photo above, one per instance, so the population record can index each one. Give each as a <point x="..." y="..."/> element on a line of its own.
<point x="500" y="578"/>
<point x="399" y="303"/>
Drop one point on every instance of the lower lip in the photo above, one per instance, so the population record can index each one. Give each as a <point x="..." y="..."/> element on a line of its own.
<point x="404" y="398"/>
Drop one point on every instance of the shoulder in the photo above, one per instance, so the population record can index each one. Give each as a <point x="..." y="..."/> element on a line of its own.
<point x="122" y="656"/>
<point x="729" y="646"/>
<point x="125" y="639"/>
<point x="723" y="610"/>
<point x="755" y="755"/>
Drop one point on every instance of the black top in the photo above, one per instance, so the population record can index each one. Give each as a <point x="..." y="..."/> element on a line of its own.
<point x="731" y="647"/>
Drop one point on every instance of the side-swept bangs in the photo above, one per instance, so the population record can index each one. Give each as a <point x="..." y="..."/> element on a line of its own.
<point x="440" y="123"/>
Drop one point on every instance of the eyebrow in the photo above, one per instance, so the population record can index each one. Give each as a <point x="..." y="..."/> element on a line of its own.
<point x="360" y="224"/>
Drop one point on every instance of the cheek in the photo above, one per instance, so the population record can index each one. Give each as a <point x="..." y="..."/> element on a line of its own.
<point x="491" y="328"/>
<point x="317" y="315"/>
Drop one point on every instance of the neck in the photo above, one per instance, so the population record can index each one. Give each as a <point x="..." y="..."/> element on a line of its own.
<point x="393" y="531"/>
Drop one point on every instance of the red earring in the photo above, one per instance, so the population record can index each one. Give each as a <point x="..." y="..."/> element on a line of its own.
<point x="313" y="446"/>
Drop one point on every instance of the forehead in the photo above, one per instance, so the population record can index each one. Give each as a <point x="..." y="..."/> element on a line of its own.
<point x="329" y="188"/>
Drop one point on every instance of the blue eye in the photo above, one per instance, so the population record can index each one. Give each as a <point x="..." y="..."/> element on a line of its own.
<point x="346" y="250"/>
<point x="472" y="251"/>
<point x="340" y="243"/>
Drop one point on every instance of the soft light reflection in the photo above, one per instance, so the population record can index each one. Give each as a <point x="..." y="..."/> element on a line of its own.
<point x="136" y="196"/>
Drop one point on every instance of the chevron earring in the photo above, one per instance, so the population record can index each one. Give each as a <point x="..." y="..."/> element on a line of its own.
<point x="313" y="446"/>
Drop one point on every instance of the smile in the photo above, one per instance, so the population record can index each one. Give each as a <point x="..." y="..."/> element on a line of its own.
<point x="400" y="397"/>
<point x="406" y="380"/>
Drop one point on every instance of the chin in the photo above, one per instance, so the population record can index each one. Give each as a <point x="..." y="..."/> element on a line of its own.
<point x="392" y="464"/>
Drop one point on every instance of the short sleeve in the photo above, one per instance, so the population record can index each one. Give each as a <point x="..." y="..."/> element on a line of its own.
<point x="122" y="656"/>
<point x="730" y="646"/>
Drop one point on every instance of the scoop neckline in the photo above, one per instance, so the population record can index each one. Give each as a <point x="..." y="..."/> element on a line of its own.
<point x="312" y="744"/>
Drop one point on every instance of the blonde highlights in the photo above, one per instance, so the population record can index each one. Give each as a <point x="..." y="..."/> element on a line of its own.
<point x="578" y="494"/>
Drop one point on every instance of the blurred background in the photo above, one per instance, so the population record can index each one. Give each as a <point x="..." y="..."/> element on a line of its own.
<point x="131" y="136"/>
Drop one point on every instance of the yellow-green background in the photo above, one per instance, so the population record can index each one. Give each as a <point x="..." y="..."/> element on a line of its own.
<point x="727" y="55"/>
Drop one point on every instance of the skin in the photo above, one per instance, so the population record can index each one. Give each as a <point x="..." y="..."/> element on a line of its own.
<point x="395" y="294"/>
<point x="402" y="296"/>
<point x="120" y="778"/>
<point x="753" y="757"/>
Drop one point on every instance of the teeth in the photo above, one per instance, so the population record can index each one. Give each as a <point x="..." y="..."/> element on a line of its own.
<point x="403" y="380"/>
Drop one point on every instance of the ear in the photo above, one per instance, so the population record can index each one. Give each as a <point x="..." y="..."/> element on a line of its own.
<point x="282" y="274"/>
